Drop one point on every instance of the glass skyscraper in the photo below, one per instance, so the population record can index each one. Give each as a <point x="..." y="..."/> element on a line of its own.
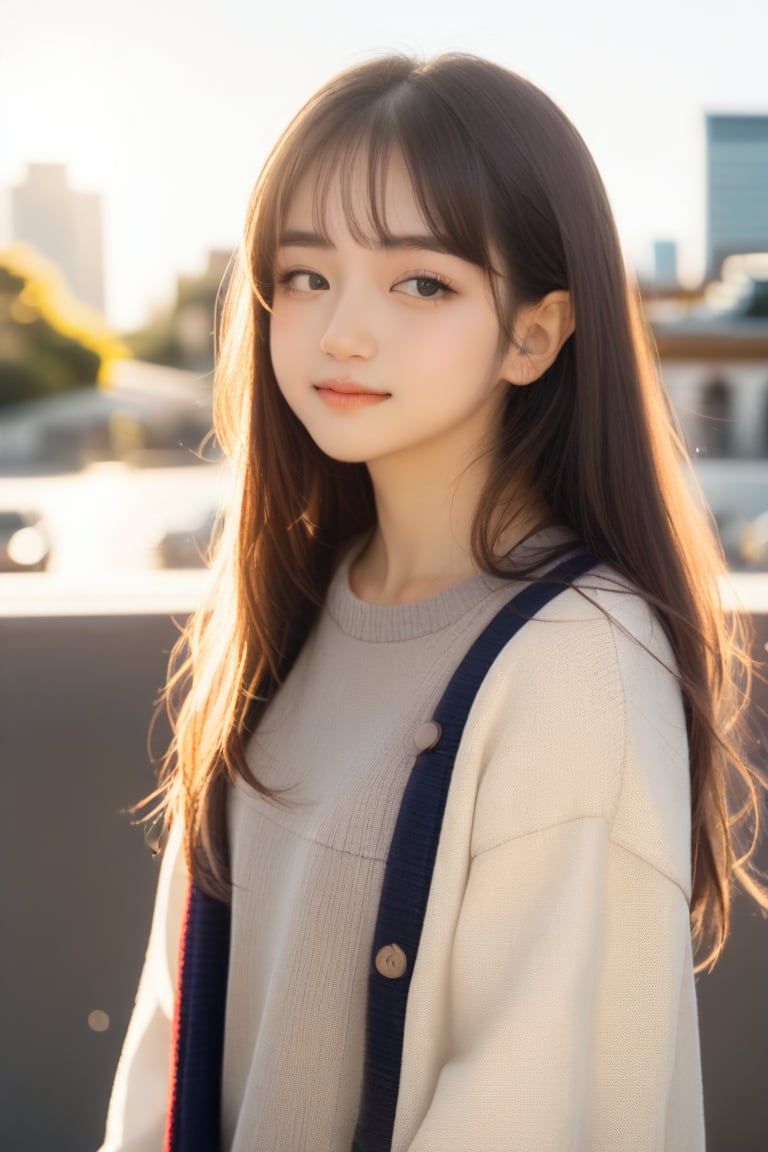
<point x="737" y="187"/>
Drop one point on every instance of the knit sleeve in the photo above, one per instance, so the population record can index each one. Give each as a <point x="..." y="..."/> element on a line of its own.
<point x="139" y="1101"/>
<point x="553" y="1001"/>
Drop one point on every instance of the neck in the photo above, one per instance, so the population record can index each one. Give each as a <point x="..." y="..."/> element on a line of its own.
<point x="422" y="541"/>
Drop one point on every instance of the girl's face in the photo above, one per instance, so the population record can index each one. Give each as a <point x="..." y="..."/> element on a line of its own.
<point x="384" y="351"/>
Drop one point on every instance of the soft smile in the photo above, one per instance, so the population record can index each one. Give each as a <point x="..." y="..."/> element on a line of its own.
<point x="348" y="394"/>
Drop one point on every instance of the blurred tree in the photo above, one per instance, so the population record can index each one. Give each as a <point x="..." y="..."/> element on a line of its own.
<point x="181" y="336"/>
<point x="157" y="342"/>
<point x="49" y="343"/>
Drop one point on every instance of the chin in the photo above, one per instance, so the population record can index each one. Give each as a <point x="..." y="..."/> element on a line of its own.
<point x="346" y="455"/>
<point x="345" y="449"/>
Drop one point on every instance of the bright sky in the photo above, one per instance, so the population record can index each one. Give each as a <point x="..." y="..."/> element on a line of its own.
<point x="168" y="107"/>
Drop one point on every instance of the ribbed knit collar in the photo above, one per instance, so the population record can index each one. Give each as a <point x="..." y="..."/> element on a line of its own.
<point x="388" y="623"/>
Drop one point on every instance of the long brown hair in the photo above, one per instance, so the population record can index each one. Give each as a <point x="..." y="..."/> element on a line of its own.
<point x="497" y="170"/>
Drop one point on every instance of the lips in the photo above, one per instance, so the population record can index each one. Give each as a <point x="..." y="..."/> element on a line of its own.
<point x="348" y="395"/>
<point x="347" y="388"/>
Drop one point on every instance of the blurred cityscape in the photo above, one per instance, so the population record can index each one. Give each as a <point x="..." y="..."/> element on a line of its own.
<point x="106" y="465"/>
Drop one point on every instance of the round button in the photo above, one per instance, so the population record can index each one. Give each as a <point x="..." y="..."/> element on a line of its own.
<point x="427" y="735"/>
<point x="391" y="961"/>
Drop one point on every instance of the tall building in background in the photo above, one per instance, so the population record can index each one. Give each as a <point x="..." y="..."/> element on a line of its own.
<point x="737" y="187"/>
<point x="63" y="225"/>
<point x="665" y="264"/>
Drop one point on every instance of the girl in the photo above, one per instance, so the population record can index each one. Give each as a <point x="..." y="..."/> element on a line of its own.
<point x="430" y="912"/>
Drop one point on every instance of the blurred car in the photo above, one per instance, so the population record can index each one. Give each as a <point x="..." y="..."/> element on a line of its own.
<point x="24" y="543"/>
<point x="187" y="547"/>
<point x="744" y="541"/>
<point x="754" y="543"/>
<point x="733" y="528"/>
<point x="736" y="492"/>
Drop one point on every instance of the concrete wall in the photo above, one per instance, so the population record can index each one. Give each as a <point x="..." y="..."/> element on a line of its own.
<point x="76" y="695"/>
<point x="75" y="698"/>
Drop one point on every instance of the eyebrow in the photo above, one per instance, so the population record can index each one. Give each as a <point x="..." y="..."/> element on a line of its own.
<point x="387" y="243"/>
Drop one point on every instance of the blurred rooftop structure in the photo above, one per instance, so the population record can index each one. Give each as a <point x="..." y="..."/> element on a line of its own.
<point x="713" y="348"/>
<point x="150" y="414"/>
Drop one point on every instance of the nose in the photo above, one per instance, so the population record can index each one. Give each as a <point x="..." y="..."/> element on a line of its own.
<point x="348" y="334"/>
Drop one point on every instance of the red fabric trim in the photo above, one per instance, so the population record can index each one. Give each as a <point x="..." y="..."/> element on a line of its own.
<point x="171" y="1122"/>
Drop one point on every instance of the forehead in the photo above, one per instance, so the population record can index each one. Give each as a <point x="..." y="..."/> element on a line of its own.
<point x="356" y="195"/>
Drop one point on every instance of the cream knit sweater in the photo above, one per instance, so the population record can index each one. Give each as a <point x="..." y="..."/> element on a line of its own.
<point x="552" y="1005"/>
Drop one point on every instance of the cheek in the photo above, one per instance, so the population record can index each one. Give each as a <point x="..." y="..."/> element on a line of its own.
<point x="282" y="337"/>
<point x="477" y="334"/>
<point x="463" y="347"/>
<point x="278" y="328"/>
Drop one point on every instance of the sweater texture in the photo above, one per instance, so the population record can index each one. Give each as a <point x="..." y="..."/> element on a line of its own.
<point x="552" y="1001"/>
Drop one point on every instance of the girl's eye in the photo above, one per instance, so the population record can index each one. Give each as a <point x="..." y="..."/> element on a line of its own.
<point x="425" y="287"/>
<point x="299" y="280"/>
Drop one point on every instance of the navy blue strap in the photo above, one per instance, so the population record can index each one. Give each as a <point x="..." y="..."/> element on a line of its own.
<point x="412" y="855"/>
<point x="194" y="1114"/>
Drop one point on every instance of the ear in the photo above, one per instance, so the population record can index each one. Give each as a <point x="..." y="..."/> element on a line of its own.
<point x="541" y="330"/>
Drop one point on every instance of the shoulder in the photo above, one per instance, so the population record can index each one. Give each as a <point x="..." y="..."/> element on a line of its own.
<point x="581" y="717"/>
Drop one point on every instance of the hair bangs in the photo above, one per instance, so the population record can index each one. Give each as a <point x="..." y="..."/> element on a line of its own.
<point x="350" y="155"/>
<point x="448" y="179"/>
<point x="356" y="169"/>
